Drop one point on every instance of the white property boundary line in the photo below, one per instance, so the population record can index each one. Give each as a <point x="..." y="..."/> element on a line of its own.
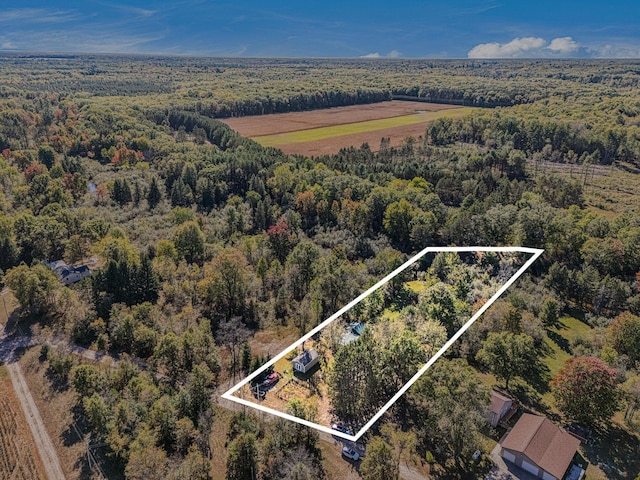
<point x="228" y="395"/>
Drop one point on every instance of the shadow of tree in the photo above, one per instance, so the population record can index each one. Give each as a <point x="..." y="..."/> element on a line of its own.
<point x="615" y="451"/>
<point x="464" y="469"/>
<point x="526" y="394"/>
<point x="559" y="340"/>
<point x="538" y="377"/>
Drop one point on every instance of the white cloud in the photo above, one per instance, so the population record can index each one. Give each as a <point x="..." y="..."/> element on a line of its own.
<point x="616" y="51"/>
<point x="391" y="54"/>
<point x="529" y="47"/>
<point x="518" y="47"/>
<point x="37" y="15"/>
<point x="563" y="45"/>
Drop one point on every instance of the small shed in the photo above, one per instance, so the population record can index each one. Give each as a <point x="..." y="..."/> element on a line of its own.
<point x="501" y="408"/>
<point x="304" y="362"/>
<point x="352" y="333"/>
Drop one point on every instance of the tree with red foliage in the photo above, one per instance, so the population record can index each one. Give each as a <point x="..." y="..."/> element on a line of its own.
<point x="585" y="390"/>
<point x="124" y="157"/>
<point x="281" y="240"/>
<point x="34" y="169"/>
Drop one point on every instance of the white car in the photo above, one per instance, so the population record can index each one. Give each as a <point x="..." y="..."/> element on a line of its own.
<point x="350" y="453"/>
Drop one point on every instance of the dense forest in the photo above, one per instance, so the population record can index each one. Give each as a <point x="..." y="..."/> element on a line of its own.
<point x="200" y="240"/>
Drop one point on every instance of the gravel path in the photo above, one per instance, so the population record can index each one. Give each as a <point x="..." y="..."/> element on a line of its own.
<point x="43" y="442"/>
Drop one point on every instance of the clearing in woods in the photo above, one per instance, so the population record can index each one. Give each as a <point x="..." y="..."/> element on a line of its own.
<point x="274" y="393"/>
<point x="327" y="131"/>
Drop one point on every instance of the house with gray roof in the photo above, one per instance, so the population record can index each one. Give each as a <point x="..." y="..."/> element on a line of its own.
<point x="304" y="362"/>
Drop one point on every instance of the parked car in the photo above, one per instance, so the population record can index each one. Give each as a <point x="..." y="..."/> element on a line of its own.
<point x="341" y="428"/>
<point x="271" y="379"/>
<point x="350" y="453"/>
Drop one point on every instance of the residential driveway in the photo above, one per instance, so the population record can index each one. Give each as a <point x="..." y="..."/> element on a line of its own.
<point x="504" y="470"/>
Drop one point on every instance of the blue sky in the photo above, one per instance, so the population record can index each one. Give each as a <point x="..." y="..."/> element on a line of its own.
<point x="327" y="28"/>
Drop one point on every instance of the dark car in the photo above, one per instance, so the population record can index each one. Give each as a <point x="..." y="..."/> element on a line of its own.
<point x="341" y="428"/>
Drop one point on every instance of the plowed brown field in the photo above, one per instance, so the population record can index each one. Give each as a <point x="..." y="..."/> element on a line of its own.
<point x="259" y="125"/>
<point x="263" y="126"/>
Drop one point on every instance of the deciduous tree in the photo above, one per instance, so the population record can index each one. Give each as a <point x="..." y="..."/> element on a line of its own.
<point x="507" y="355"/>
<point x="585" y="390"/>
<point x="32" y="286"/>
<point x="624" y="335"/>
<point x="189" y="241"/>
<point x="379" y="463"/>
<point x="242" y="458"/>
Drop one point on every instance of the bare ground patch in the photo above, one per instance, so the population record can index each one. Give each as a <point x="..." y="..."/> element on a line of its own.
<point x="259" y="125"/>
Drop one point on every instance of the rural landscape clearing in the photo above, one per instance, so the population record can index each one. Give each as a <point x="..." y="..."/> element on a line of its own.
<point x="323" y="132"/>
<point x="347" y="241"/>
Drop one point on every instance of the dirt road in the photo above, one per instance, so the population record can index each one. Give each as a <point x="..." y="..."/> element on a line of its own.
<point x="43" y="442"/>
<point x="45" y="448"/>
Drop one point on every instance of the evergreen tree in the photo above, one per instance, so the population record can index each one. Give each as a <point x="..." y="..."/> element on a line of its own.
<point x="155" y="195"/>
<point x="242" y="458"/>
<point x="121" y="191"/>
<point x="137" y="193"/>
<point x="181" y="194"/>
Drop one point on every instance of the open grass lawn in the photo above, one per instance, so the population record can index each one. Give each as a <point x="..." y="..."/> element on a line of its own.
<point x="9" y="304"/>
<point x="321" y="133"/>
<point x="616" y="451"/>
<point x="560" y="339"/>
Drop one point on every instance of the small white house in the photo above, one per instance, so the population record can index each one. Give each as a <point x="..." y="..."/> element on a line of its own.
<point x="69" y="274"/>
<point x="304" y="362"/>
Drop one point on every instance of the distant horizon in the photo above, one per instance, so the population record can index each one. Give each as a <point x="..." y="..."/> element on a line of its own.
<point x="420" y="29"/>
<point x="366" y="59"/>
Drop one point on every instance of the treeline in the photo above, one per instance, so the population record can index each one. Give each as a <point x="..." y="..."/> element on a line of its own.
<point x="460" y="97"/>
<point x="216" y="132"/>
<point x="557" y="141"/>
<point x="294" y="103"/>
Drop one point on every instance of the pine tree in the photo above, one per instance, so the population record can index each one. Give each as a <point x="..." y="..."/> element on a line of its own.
<point x="121" y="191"/>
<point x="137" y="193"/>
<point x="181" y="194"/>
<point x="155" y="195"/>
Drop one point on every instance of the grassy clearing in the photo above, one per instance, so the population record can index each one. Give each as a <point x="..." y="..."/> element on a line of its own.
<point x="358" y="127"/>
<point x="417" y="286"/>
<point x="609" y="190"/>
<point x="9" y="304"/>
<point x="615" y="192"/>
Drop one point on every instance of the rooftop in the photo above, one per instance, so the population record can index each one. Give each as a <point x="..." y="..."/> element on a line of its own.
<point x="306" y="357"/>
<point x="549" y="447"/>
<point x="497" y="401"/>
